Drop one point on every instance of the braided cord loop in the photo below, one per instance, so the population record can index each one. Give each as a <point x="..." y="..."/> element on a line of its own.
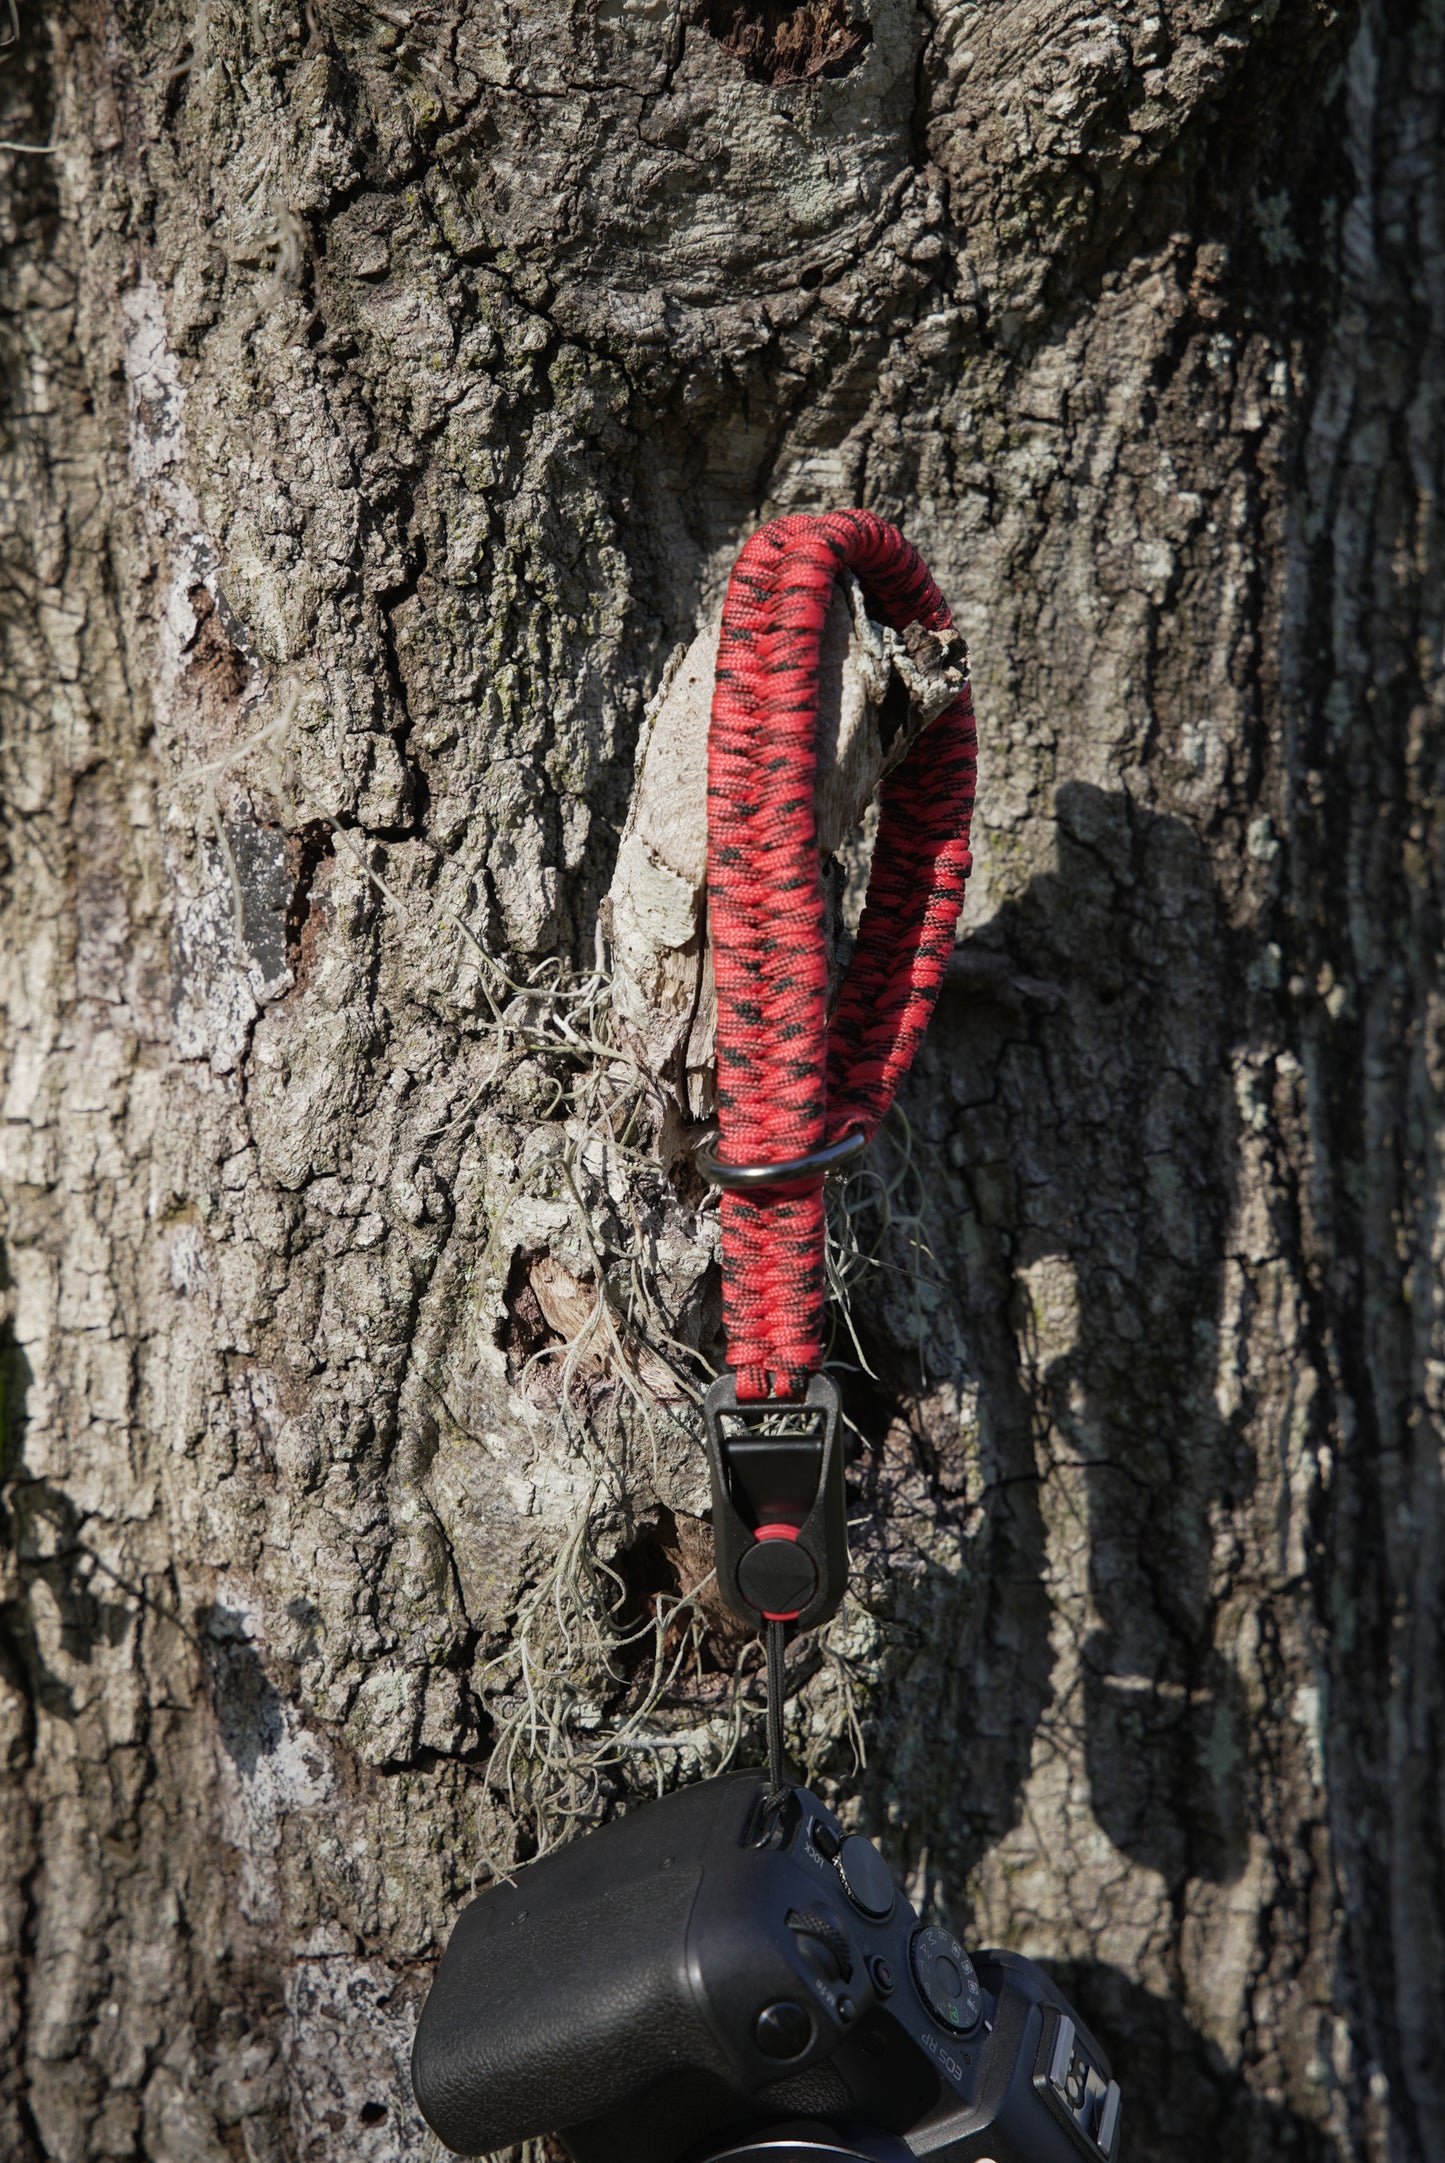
<point x="788" y="1081"/>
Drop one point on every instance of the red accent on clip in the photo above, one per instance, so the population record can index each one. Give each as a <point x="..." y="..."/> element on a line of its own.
<point x="779" y="1532"/>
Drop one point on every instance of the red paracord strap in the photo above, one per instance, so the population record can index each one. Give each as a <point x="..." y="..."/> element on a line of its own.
<point x="787" y="1081"/>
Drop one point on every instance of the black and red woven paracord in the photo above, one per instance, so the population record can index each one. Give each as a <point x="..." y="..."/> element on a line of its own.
<point x="789" y="1081"/>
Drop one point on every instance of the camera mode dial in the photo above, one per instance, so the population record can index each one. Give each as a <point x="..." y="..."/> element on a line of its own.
<point x="946" y="1980"/>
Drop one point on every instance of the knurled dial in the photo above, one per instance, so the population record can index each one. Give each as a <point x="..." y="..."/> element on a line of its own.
<point x="945" y="1978"/>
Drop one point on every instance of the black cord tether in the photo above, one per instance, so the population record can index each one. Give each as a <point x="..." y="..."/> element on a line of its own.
<point x="777" y="1776"/>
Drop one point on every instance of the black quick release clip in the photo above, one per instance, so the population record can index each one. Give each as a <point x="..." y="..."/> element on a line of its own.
<point x="779" y="1521"/>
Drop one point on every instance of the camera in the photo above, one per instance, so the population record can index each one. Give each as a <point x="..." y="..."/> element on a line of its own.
<point x="721" y="1976"/>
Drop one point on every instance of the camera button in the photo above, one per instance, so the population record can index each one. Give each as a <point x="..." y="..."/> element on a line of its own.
<point x="825" y="1841"/>
<point x="783" y="2030"/>
<point x="883" y="1977"/>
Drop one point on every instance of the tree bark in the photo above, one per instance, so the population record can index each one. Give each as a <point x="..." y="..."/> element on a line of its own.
<point x="387" y="390"/>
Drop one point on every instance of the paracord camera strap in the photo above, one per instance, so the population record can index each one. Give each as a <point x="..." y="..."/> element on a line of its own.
<point x="799" y="1094"/>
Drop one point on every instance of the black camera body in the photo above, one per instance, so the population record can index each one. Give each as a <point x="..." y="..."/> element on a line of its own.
<point x="707" y="1976"/>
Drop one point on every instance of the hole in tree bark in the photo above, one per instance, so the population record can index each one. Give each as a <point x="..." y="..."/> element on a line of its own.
<point x="219" y="672"/>
<point x="676" y="1556"/>
<point x="787" y="41"/>
<point x="526" y="1328"/>
<point x="310" y="852"/>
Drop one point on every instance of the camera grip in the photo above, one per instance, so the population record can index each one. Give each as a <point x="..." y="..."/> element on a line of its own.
<point x="569" y="1993"/>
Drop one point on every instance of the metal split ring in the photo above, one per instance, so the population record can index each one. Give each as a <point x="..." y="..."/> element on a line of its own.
<point x="816" y="1165"/>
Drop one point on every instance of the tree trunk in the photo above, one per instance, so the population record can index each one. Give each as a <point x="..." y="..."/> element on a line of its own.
<point x="387" y="391"/>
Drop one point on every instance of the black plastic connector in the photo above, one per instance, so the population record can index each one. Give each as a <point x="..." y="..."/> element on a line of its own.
<point x="779" y="1521"/>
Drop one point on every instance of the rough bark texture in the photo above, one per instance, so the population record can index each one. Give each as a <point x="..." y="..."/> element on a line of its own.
<point x="387" y="389"/>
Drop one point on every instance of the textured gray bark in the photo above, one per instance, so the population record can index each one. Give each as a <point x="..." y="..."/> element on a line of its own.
<point x="387" y="389"/>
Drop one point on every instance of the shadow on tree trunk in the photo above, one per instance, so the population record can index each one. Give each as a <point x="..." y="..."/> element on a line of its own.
<point x="1080" y="1098"/>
